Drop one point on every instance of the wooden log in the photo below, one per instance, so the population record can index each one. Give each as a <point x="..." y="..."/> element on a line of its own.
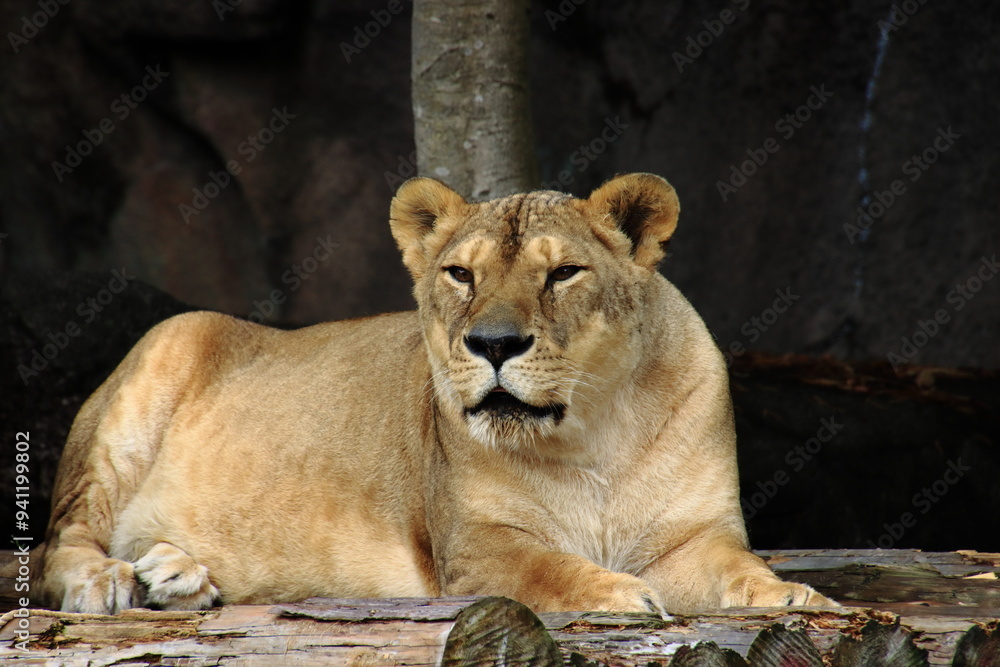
<point x="620" y="640"/>
<point x="893" y="580"/>
<point x="414" y="631"/>
<point x="944" y="603"/>
<point x="494" y="632"/>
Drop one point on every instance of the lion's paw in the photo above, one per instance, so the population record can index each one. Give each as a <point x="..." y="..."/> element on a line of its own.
<point x="625" y="593"/>
<point x="106" y="586"/>
<point x="174" y="580"/>
<point x="772" y="592"/>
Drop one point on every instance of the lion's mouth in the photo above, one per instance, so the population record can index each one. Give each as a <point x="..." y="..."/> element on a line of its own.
<point x="500" y="403"/>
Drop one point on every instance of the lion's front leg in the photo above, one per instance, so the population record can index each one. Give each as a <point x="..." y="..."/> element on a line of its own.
<point x="714" y="572"/>
<point x="500" y="560"/>
<point x="759" y="590"/>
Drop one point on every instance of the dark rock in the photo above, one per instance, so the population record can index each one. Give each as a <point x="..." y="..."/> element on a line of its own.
<point x="852" y="455"/>
<point x="62" y="334"/>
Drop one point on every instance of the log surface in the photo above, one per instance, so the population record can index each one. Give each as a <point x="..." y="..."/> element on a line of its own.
<point x="935" y="597"/>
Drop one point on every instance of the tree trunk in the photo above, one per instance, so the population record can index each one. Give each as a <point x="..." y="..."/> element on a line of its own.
<point x="471" y="113"/>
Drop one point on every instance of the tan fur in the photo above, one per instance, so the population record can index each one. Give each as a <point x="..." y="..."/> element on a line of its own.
<point x="228" y="460"/>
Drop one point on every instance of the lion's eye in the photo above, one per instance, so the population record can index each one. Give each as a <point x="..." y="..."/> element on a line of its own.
<point x="460" y="274"/>
<point x="564" y="273"/>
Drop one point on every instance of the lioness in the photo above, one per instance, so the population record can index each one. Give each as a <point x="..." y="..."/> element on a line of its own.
<point x="553" y="424"/>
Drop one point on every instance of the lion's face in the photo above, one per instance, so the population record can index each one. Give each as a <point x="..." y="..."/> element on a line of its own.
<point x="521" y="308"/>
<point x="531" y="304"/>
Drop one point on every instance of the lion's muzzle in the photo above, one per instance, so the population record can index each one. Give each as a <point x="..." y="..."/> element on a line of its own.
<point x="497" y="343"/>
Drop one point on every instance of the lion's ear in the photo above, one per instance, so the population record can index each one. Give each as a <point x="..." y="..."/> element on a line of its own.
<point x="417" y="208"/>
<point x="645" y="208"/>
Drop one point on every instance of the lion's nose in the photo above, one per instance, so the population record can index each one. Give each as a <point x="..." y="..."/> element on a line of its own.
<point x="497" y="344"/>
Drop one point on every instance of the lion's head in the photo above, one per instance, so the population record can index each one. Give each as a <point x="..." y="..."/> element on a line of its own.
<point x="532" y="305"/>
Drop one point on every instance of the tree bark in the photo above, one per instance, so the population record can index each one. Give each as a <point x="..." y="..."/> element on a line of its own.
<point x="471" y="112"/>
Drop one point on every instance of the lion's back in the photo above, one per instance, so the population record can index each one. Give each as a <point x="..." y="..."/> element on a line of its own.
<point x="339" y="382"/>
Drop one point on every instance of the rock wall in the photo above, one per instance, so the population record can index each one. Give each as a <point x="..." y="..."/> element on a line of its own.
<point x="778" y="122"/>
<point x="776" y="127"/>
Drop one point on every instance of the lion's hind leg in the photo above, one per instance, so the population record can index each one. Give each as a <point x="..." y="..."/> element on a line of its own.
<point x="112" y="447"/>
<point x="92" y="583"/>
<point x="172" y="579"/>
<point x="165" y="577"/>
<point x="75" y="571"/>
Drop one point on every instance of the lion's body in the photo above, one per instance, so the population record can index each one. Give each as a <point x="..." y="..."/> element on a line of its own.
<point x="262" y="442"/>
<point x="560" y="436"/>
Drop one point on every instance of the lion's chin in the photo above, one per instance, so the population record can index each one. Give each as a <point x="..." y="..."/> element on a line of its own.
<point x="502" y="420"/>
